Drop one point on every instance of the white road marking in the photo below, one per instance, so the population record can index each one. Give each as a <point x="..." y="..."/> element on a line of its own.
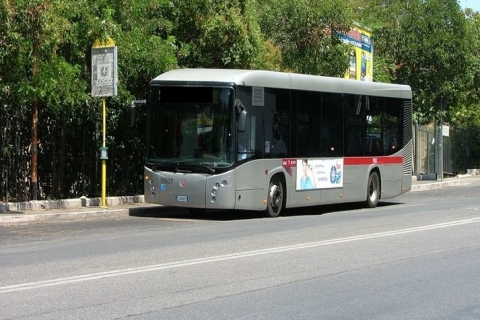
<point x="239" y="255"/>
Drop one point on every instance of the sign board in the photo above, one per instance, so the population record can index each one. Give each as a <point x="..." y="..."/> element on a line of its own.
<point x="446" y="130"/>
<point x="361" y="55"/>
<point x="104" y="69"/>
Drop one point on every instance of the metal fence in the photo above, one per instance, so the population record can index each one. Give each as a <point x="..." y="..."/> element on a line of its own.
<point x="68" y="156"/>
<point x="461" y="150"/>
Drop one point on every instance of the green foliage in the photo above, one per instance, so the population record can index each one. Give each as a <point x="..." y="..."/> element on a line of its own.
<point x="216" y="34"/>
<point x="306" y="34"/>
<point x="424" y="43"/>
<point x="467" y="111"/>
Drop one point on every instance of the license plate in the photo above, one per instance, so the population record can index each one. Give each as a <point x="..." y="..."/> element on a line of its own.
<point x="182" y="198"/>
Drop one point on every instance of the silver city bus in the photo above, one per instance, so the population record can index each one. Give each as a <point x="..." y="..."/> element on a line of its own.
<point x="263" y="140"/>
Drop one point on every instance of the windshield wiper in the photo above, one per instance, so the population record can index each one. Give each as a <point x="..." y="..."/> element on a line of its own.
<point x="207" y="167"/>
<point x="182" y="170"/>
<point x="192" y="163"/>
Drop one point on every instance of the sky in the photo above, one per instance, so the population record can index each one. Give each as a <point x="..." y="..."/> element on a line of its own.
<point x="473" y="4"/>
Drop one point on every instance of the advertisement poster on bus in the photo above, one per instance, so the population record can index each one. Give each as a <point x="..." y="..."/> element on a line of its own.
<point x="361" y="55"/>
<point x="319" y="173"/>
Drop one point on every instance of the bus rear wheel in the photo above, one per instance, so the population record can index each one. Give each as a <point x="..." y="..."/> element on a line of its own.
<point x="275" y="197"/>
<point x="373" y="190"/>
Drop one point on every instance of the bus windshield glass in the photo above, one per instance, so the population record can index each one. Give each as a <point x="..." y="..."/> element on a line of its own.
<point x="190" y="128"/>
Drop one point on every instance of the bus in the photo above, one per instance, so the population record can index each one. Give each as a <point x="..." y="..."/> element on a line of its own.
<point x="267" y="141"/>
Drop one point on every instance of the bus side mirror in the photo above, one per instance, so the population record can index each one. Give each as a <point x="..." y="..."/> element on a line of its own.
<point x="242" y="116"/>
<point x="242" y="120"/>
<point x="131" y="110"/>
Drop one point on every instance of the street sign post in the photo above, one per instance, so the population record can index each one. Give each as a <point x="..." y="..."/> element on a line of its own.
<point x="104" y="84"/>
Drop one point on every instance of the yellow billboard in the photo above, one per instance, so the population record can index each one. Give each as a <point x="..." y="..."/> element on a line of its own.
<point x="361" y="54"/>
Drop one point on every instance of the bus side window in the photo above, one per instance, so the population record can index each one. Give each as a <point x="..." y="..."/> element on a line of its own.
<point x="393" y="136"/>
<point x="333" y="115"/>
<point x="375" y="132"/>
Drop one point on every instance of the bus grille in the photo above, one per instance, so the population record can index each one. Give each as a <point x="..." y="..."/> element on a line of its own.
<point x="407" y="136"/>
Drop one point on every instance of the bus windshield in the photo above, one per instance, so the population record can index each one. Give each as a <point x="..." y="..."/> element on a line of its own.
<point x="189" y="128"/>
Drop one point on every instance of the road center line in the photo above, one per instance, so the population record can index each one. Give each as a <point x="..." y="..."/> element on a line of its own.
<point x="239" y="255"/>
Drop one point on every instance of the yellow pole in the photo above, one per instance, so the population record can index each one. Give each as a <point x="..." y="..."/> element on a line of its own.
<point x="104" y="46"/>
<point x="104" y="161"/>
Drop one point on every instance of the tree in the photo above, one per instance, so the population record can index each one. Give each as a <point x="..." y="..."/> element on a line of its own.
<point x="306" y="32"/>
<point x="422" y="43"/>
<point x="145" y="42"/>
<point x="32" y="33"/>
<point x="216" y="34"/>
<point x="466" y="112"/>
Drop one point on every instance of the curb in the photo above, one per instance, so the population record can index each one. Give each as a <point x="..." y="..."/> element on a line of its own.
<point x="82" y="202"/>
<point x="437" y="185"/>
<point x="61" y="216"/>
<point x="17" y="218"/>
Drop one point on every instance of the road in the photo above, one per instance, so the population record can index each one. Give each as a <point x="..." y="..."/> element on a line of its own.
<point x="415" y="257"/>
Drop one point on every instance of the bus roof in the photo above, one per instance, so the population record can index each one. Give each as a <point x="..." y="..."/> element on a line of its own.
<point x="273" y="79"/>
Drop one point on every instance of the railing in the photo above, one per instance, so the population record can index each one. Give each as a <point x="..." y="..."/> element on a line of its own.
<point x="461" y="150"/>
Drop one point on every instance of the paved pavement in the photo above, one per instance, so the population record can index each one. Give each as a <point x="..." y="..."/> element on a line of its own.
<point x="117" y="207"/>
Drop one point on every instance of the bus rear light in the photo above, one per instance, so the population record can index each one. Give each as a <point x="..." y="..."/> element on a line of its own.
<point x="214" y="199"/>
<point x="214" y="191"/>
<point x="150" y="181"/>
<point x="153" y="194"/>
<point x="224" y="183"/>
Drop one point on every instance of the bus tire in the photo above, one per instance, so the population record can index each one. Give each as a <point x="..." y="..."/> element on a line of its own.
<point x="373" y="190"/>
<point x="275" y="197"/>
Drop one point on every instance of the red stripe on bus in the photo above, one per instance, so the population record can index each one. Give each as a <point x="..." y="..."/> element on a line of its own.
<point x="372" y="160"/>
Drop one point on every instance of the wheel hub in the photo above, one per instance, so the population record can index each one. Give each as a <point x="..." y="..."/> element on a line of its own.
<point x="274" y="195"/>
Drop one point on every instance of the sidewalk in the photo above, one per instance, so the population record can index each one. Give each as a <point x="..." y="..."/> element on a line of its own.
<point x="73" y="209"/>
<point x="117" y="207"/>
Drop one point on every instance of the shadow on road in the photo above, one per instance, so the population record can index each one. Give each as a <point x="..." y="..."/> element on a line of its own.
<point x="229" y="215"/>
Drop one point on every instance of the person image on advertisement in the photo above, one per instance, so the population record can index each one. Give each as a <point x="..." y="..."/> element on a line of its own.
<point x="307" y="182"/>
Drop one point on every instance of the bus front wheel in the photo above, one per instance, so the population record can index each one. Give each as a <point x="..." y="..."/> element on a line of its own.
<point x="275" y="197"/>
<point x="373" y="190"/>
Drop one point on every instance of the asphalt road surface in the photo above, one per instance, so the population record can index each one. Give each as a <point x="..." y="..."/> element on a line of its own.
<point x="415" y="257"/>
